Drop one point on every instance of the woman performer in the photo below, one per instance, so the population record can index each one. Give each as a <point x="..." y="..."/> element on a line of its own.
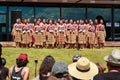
<point x="31" y="32"/>
<point x="50" y="35"/>
<point x="56" y="33"/>
<point x="71" y="34"/>
<point x="96" y="32"/>
<point x="87" y="30"/>
<point x="66" y="40"/>
<point x="44" y="26"/>
<point x="25" y="34"/>
<point x="38" y="35"/>
<point x="61" y="35"/>
<point x="16" y="32"/>
<point x="101" y="34"/>
<point x="91" y="34"/>
<point x="81" y="35"/>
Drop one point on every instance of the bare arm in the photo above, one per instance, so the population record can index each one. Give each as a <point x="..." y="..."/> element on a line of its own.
<point x="26" y="73"/>
<point x="10" y="73"/>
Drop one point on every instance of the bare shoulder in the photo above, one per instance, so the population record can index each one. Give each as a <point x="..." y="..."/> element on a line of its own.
<point x="11" y="68"/>
<point x="26" y="69"/>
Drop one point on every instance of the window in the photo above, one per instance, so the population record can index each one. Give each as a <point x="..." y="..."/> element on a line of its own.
<point x="73" y="13"/>
<point x="52" y="13"/>
<point x="27" y="12"/>
<point x="117" y="24"/>
<point x="102" y="13"/>
<point x="2" y="23"/>
<point x="3" y="9"/>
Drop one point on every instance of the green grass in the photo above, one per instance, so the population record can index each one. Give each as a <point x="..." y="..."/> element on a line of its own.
<point x="65" y="55"/>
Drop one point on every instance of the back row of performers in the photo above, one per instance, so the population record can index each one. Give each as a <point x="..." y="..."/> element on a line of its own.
<point x="61" y="33"/>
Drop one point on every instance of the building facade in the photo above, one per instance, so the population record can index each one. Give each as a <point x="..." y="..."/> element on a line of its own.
<point x="108" y="11"/>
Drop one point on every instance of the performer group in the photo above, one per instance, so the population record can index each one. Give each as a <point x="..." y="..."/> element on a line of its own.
<point x="59" y="34"/>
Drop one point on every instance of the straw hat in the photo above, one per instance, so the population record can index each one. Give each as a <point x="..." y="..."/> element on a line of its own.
<point x="113" y="57"/>
<point x="83" y="69"/>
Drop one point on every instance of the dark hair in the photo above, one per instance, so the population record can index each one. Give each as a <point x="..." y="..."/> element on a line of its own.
<point x="46" y="65"/>
<point x="21" y="63"/>
<point x="0" y="49"/>
<point x="112" y="66"/>
<point x="0" y="62"/>
<point x="68" y="77"/>
<point x="3" y="61"/>
<point x="101" y="68"/>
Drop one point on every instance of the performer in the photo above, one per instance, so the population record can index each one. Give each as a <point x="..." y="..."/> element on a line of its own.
<point x="61" y="34"/>
<point x="30" y="25"/>
<point x="71" y="34"/>
<point x="81" y="35"/>
<point x="87" y="30"/>
<point x="66" y="40"/>
<point x="38" y="35"/>
<point x="96" y="32"/>
<point x="25" y="34"/>
<point x="16" y="32"/>
<point x="44" y="28"/>
<point x="91" y="35"/>
<point x="56" y="33"/>
<point x="101" y="34"/>
<point x="50" y="35"/>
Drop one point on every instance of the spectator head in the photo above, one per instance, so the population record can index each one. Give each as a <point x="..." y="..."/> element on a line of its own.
<point x="59" y="70"/>
<point x="22" y="60"/>
<point x="101" y="68"/>
<point x="83" y="69"/>
<point x="3" y="61"/>
<point x="113" y="60"/>
<point x="46" y="65"/>
<point x="76" y="57"/>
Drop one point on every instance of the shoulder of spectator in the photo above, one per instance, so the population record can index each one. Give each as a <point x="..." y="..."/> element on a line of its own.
<point x="26" y="69"/>
<point x="36" y="78"/>
<point x="10" y="69"/>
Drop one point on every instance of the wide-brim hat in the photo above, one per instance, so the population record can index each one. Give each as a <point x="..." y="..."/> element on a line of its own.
<point x="83" y="69"/>
<point x="113" y="57"/>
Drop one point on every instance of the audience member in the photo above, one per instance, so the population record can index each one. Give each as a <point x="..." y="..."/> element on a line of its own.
<point x="20" y="71"/>
<point x="76" y="57"/>
<point x="0" y="49"/>
<point x="45" y="68"/>
<point x="1" y="77"/>
<point x="3" y="69"/>
<point x="113" y="65"/>
<point x="83" y="69"/>
<point x="60" y="72"/>
<point x="101" y="68"/>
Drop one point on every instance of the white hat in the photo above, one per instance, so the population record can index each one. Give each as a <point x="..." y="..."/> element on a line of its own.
<point x="113" y="57"/>
<point x="83" y="69"/>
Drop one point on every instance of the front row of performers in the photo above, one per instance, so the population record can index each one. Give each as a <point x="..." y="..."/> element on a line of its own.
<point x="60" y="34"/>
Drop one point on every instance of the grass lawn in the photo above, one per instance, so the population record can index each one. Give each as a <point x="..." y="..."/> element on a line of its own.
<point x="65" y="55"/>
